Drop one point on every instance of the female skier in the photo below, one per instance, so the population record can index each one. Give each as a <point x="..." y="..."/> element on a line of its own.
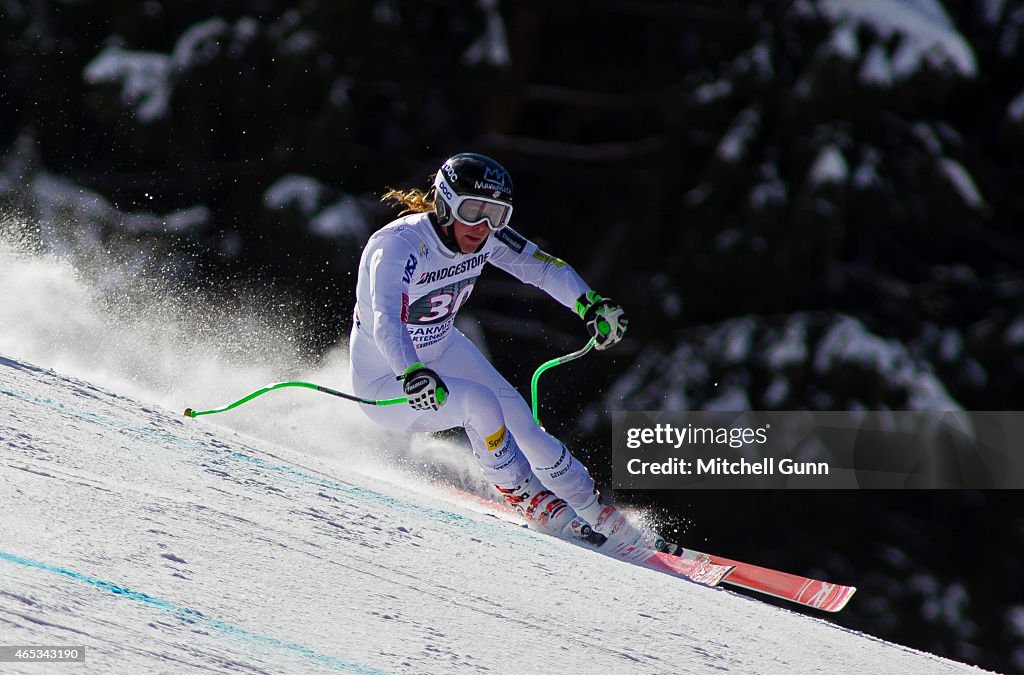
<point x="414" y="276"/>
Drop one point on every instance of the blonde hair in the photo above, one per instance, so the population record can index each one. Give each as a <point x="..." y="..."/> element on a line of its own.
<point x="414" y="200"/>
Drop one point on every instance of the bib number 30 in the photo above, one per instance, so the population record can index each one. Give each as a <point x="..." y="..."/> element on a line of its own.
<point x="444" y="304"/>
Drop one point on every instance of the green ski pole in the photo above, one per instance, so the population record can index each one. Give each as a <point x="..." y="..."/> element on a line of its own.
<point x="551" y="364"/>
<point x="189" y="412"/>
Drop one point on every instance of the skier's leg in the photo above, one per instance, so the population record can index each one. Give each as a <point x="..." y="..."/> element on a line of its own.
<point x="550" y="458"/>
<point x="475" y="407"/>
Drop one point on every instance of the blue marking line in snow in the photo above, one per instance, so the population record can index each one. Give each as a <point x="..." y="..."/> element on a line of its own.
<point x="193" y="616"/>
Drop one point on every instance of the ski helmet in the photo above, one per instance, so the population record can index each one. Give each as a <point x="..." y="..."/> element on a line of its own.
<point x="473" y="189"/>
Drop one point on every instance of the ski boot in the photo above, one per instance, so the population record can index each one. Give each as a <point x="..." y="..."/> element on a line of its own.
<point x="623" y="539"/>
<point x="662" y="546"/>
<point x="542" y="509"/>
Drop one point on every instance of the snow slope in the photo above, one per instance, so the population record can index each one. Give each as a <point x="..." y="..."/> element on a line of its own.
<point x="162" y="543"/>
<point x="298" y="539"/>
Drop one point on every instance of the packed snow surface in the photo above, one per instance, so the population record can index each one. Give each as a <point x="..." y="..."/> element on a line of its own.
<point x="165" y="543"/>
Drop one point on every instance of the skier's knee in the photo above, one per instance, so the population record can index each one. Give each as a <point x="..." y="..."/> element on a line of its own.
<point x="482" y="409"/>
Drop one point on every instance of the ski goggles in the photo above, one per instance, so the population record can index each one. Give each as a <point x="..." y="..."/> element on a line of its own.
<point x="473" y="209"/>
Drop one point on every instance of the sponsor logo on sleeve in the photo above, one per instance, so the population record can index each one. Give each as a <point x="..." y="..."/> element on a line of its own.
<point x="512" y="239"/>
<point x="405" y="308"/>
<point x="410" y="269"/>
<point x="545" y="258"/>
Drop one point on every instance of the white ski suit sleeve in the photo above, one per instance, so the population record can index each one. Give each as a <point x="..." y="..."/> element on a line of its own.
<point x="391" y="265"/>
<point x="522" y="259"/>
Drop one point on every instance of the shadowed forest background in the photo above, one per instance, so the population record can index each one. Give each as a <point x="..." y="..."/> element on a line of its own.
<point x="801" y="205"/>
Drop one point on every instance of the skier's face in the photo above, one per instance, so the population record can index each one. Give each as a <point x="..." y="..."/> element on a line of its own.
<point x="470" y="237"/>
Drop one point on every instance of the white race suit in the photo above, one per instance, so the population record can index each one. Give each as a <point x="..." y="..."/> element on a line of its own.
<point x="409" y="289"/>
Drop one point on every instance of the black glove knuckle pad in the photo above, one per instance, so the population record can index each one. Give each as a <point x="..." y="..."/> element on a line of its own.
<point x="421" y="388"/>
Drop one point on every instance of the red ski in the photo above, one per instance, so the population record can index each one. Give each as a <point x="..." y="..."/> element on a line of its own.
<point x="801" y="590"/>
<point x="702" y="571"/>
<point x="711" y="570"/>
